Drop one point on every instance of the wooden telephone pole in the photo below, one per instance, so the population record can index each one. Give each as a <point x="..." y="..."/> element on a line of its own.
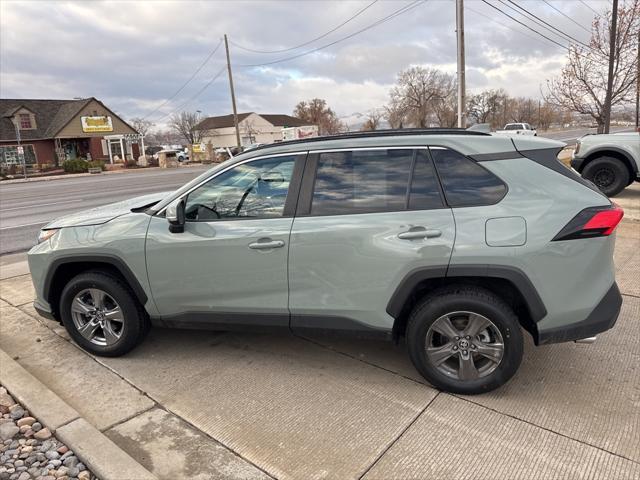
<point x="233" y="95"/>
<point x="461" y="80"/>
<point x="612" y="59"/>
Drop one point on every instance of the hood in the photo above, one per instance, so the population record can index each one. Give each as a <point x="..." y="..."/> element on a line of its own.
<point x="103" y="214"/>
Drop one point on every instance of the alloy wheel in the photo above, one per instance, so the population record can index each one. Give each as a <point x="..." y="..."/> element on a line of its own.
<point x="97" y="316"/>
<point x="464" y="345"/>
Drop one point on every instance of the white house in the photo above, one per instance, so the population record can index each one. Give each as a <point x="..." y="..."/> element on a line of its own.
<point x="254" y="128"/>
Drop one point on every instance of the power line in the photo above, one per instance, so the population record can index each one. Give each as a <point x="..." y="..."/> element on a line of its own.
<point x="198" y="93"/>
<point x="504" y="25"/>
<point x="525" y="25"/>
<point x="589" y="7"/>
<point x="568" y="17"/>
<point x="187" y="82"/>
<point x="551" y="28"/>
<point x="400" y="11"/>
<point x="355" y="15"/>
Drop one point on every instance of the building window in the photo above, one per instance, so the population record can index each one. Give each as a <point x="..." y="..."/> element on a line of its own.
<point x="25" y="121"/>
<point x="9" y="155"/>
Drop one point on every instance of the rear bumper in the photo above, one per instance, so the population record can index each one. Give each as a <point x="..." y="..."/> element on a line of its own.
<point x="602" y="318"/>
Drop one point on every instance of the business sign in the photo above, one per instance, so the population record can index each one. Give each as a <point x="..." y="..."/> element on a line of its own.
<point x="298" y="133"/>
<point x="96" y="124"/>
<point x="198" y="148"/>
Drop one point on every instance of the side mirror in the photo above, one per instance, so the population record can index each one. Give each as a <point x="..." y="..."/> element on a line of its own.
<point x="175" y="216"/>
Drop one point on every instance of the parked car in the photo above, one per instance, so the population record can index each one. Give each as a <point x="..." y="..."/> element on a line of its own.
<point x="181" y="155"/>
<point x="455" y="241"/>
<point x="518" y="129"/>
<point x="611" y="161"/>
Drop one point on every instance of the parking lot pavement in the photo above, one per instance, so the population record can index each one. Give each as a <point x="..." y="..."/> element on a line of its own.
<point x="290" y="407"/>
<point x="629" y="200"/>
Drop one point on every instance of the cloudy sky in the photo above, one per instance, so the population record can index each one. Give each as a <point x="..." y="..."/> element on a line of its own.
<point x="135" y="55"/>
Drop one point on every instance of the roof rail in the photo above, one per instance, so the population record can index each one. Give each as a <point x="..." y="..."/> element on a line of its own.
<point x="378" y="133"/>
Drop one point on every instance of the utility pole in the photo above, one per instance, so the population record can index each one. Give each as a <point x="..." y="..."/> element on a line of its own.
<point x="460" y="40"/>
<point x="233" y="95"/>
<point x="612" y="54"/>
<point x="638" y="88"/>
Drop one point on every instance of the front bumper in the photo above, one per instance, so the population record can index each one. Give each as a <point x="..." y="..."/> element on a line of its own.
<point x="602" y="318"/>
<point x="44" y="310"/>
<point x="576" y="163"/>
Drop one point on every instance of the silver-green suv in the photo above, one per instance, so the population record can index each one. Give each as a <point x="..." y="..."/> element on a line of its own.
<point x="450" y="239"/>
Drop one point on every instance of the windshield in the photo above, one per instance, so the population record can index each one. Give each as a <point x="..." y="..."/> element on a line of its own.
<point x="513" y="126"/>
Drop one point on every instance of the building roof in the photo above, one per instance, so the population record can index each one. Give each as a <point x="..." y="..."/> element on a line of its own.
<point x="51" y="116"/>
<point x="224" y="121"/>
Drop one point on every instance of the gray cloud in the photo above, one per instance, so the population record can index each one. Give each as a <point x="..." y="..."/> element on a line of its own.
<point x="133" y="55"/>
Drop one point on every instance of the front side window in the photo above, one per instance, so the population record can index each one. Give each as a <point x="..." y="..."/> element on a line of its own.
<point x="466" y="183"/>
<point x="255" y="189"/>
<point x="361" y="181"/>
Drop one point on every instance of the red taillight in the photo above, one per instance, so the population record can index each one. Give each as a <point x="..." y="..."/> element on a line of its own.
<point x="592" y="222"/>
<point x="607" y="221"/>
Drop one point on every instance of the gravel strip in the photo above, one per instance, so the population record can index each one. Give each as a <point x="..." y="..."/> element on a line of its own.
<point x="29" y="451"/>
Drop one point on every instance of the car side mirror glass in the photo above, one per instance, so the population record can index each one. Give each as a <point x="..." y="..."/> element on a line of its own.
<point x="175" y="216"/>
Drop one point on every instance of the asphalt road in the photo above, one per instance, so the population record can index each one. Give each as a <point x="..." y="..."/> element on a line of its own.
<point x="26" y="207"/>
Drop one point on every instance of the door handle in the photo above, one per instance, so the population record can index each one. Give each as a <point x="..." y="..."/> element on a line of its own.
<point x="418" y="233"/>
<point x="266" y="244"/>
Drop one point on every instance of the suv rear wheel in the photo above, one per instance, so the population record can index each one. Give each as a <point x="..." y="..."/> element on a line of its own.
<point x="609" y="174"/>
<point x="465" y="340"/>
<point x="102" y="315"/>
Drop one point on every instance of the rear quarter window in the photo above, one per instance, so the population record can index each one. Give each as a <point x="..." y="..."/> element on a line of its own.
<point x="465" y="182"/>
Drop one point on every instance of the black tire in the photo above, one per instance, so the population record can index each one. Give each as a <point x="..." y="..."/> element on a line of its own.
<point x="469" y="299"/>
<point x="609" y="174"/>
<point x="135" y="325"/>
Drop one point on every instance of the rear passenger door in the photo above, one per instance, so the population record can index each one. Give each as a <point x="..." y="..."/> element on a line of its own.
<point x="365" y="219"/>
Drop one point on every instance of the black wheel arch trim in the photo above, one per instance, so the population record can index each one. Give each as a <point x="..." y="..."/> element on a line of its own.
<point x="517" y="277"/>
<point x="604" y="150"/>
<point x="112" y="260"/>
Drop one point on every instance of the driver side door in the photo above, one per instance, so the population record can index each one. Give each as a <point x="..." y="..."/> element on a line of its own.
<point x="229" y="266"/>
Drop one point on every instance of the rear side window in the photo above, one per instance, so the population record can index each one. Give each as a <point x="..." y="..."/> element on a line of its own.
<point x="361" y="181"/>
<point x="466" y="183"/>
<point x="368" y="181"/>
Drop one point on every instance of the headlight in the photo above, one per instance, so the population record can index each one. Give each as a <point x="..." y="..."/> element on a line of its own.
<point x="45" y="235"/>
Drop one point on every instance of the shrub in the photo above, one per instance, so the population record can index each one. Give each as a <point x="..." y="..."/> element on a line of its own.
<point x="75" y="166"/>
<point x="131" y="164"/>
<point x="97" y="164"/>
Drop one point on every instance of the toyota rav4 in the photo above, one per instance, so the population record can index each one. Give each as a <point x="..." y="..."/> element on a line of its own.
<point x="452" y="240"/>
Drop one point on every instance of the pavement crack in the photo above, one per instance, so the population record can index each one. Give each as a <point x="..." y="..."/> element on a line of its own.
<point x="398" y="437"/>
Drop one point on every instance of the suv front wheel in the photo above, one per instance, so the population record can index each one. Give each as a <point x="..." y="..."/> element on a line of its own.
<point x="464" y="340"/>
<point x="609" y="174"/>
<point x="102" y="315"/>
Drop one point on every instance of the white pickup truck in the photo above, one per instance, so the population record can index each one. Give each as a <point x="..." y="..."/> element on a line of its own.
<point x="517" y="129"/>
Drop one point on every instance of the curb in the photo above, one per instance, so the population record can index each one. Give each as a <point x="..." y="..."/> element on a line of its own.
<point x="103" y="457"/>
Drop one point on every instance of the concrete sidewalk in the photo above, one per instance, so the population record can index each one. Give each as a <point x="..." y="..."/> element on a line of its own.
<point x="223" y="405"/>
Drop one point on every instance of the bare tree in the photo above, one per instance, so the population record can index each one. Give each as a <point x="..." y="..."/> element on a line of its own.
<point x="374" y="117"/>
<point x="249" y="130"/>
<point x="316" y="112"/>
<point x="141" y="125"/>
<point x="418" y="91"/>
<point x="489" y="106"/>
<point x="582" y="84"/>
<point x="395" y="114"/>
<point x="182" y="123"/>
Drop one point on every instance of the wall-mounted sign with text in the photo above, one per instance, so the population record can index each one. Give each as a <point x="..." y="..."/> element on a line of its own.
<point x="96" y="124"/>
